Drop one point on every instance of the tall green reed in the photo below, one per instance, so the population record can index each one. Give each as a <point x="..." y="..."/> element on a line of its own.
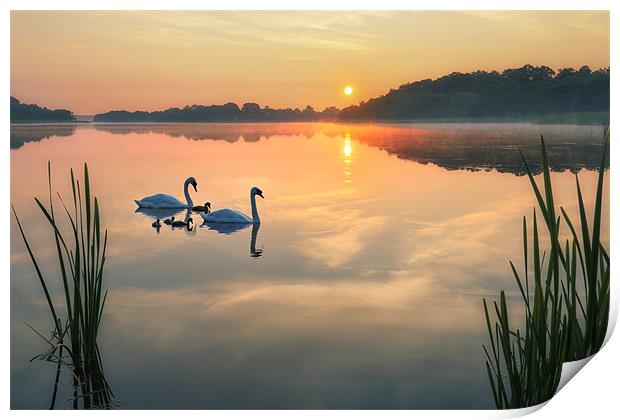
<point x="81" y="256"/>
<point x="562" y="320"/>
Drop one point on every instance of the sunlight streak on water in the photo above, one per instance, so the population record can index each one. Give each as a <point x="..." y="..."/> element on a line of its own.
<point x="357" y="294"/>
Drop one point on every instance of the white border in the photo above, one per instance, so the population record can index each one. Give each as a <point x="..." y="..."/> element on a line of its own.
<point x="592" y="395"/>
<point x="311" y="5"/>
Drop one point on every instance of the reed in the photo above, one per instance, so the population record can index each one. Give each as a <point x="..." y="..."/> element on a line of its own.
<point x="563" y="320"/>
<point x="81" y="256"/>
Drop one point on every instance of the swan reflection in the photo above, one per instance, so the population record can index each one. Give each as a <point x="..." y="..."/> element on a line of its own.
<point x="154" y="213"/>
<point x="230" y="228"/>
<point x="255" y="252"/>
<point x="178" y="219"/>
<point x="226" y="228"/>
<point x="168" y="217"/>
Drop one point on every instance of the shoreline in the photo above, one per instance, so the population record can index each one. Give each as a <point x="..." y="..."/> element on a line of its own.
<point x="340" y="122"/>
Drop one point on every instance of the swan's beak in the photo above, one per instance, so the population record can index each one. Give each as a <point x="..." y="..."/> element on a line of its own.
<point x="260" y="194"/>
<point x="195" y="187"/>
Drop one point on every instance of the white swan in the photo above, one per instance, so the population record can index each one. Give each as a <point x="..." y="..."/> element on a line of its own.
<point x="234" y="216"/>
<point x="165" y="201"/>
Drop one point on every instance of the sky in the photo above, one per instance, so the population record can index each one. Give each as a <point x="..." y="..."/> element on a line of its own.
<point x="91" y="62"/>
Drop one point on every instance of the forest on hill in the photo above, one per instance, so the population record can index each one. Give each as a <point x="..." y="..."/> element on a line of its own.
<point x="21" y="112"/>
<point x="527" y="93"/>
<point x="514" y="94"/>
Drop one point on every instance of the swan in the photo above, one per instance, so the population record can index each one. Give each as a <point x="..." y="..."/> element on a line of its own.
<point x="234" y="216"/>
<point x="205" y="209"/>
<point x="169" y="220"/>
<point x="165" y="201"/>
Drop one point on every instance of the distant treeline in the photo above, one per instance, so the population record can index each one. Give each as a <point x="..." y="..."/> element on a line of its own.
<point x="523" y="93"/>
<point x="21" y="112"/>
<point x="230" y="112"/>
<point x="530" y="93"/>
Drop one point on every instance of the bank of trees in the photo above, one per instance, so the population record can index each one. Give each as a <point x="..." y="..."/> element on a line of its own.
<point x="523" y="92"/>
<point x="230" y="112"/>
<point x="21" y="112"/>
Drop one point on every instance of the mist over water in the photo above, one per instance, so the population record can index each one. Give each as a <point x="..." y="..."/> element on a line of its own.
<point x="362" y="288"/>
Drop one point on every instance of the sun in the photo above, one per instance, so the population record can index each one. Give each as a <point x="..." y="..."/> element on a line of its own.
<point x="348" y="90"/>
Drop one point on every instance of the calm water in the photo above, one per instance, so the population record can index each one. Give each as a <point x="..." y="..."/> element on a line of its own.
<point x="362" y="288"/>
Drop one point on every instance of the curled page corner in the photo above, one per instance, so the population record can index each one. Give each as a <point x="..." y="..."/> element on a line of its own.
<point x="570" y="369"/>
<point x="519" y="412"/>
<point x="613" y="315"/>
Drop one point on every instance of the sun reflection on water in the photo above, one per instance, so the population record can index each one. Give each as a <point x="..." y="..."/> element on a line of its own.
<point x="349" y="287"/>
<point x="347" y="151"/>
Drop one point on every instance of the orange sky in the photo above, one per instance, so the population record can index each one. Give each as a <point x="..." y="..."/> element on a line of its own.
<point x="93" y="62"/>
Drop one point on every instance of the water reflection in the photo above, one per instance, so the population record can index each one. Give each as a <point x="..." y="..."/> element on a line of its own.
<point x="84" y="388"/>
<point x="226" y="228"/>
<point x="230" y="133"/>
<point x="347" y="151"/>
<point x="474" y="147"/>
<point x="254" y="251"/>
<point x="221" y="228"/>
<point x="154" y="213"/>
<point x="24" y="133"/>
<point x="231" y="228"/>
<point x="368" y="294"/>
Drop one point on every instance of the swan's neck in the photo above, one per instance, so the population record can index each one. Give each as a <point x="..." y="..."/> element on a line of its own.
<point x="255" y="217"/>
<point x="188" y="199"/>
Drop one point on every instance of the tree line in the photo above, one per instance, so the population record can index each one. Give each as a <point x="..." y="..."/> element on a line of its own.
<point x="230" y="112"/>
<point x="519" y="93"/>
<point x="21" y="112"/>
<point x="524" y="93"/>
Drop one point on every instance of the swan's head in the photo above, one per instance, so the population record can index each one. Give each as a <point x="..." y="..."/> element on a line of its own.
<point x="192" y="181"/>
<point x="207" y="205"/>
<point x="190" y="220"/>
<point x="256" y="191"/>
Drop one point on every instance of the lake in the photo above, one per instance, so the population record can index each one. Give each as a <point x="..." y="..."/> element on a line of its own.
<point x="361" y="289"/>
